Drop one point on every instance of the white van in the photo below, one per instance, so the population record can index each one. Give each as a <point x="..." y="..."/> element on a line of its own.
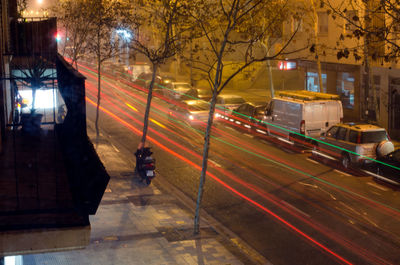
<point x="291" y="113"/>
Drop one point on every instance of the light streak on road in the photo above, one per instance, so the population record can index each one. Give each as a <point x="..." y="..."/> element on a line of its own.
<point x="130" y="106"/>
<point x="224" y="184"/>
<point x="156" y="122"/>
<point x="280" y="206"/>
<point x="276" y="160"/>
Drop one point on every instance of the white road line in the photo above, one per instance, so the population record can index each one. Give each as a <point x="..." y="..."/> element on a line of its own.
<point x="377" y="186"/>
<point x="324" y="155"/>
<point x="284" y="140"/>
<point x="215" y="163"/>
<point x="382" y="178"/>
<point x="294" y="208"/>
<point x="115" y="148"/>
<point x="342" y="173"/>
<point x="313" y="161"/>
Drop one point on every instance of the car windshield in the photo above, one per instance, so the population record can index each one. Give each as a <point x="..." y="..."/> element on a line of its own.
<point x="373" y="137"/>
<point x="234" y="101"/>
<point x="198" y="106"/>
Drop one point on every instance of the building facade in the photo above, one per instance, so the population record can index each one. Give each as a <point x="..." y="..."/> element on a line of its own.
<point x="341" y="59"/>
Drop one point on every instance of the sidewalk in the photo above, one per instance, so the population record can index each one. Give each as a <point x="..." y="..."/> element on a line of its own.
<point x="138" y="224"/>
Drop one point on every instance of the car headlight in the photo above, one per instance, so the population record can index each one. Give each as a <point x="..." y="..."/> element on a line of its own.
<point x="191" y="117"/>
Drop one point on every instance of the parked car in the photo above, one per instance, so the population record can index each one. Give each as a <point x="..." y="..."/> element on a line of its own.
<point x="355" y="144"/>
<point x="227" y="103"/>
<point x="180" y="91"/>
<point x="144" y="80"/>
<point x="294" y="113"/>
<point x="390" y="166"/>
<point x="204" y="94"/>
<point x="192" y="112"/>
<point x="247" y="116"/>
<point x="166" y="79"/>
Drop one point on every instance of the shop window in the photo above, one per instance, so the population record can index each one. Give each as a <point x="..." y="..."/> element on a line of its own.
<point x="312" y="82"/>
<point x="345" y="89"/>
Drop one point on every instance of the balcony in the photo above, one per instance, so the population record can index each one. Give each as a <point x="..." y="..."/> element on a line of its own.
<point x="51" y="177"/>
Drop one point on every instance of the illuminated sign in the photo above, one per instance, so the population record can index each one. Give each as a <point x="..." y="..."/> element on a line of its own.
<point x="287" y="65"/>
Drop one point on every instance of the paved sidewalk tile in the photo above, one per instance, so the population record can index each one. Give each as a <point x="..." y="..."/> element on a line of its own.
<point x="138" y="225"/>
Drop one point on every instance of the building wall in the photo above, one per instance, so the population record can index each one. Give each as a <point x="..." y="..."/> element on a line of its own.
<point x="327" y="52"/>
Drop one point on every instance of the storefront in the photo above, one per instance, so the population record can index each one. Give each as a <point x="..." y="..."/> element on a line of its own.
<point x="339" y="79"/>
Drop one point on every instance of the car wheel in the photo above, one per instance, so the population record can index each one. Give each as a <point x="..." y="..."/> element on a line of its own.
<point x="345" y="160"/>
<point x="314" y="146"/>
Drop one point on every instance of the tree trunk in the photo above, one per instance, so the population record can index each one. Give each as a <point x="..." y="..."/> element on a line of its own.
<point x="204" y="163"/>
<point x="98" y="94"/>
<point x="269" y="68"/>
<point x="148" y="105"/>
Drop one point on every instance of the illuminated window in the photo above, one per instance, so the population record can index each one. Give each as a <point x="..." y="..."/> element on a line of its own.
<point x="345" y="89"/>
<point x="312" y="82"/>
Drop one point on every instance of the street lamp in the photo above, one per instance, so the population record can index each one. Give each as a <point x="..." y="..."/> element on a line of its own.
<point x="125" y="36"/>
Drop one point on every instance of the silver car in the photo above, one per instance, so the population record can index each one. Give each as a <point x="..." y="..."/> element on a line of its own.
<point x="192" y="112"/>
<point x="180" y="91"/>
<point x="355" y="144"/>
<point x="227" y="103"/>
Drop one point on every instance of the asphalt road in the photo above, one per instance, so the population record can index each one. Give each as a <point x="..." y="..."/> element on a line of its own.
<point x="289" y="207"/>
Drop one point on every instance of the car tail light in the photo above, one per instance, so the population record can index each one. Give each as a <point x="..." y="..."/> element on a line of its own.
<point x="302" y="127"/>
<point x="359" y="138"/>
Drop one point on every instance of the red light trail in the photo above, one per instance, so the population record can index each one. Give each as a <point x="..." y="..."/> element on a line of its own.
<point x="249" y="186"/>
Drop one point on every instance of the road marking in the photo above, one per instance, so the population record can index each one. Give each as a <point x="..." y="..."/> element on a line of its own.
<point x="342" y="173"/>
<point x="324" y="155"/>
<point x="286" y="141"/>
<point x="313" y="161"/>
<point x="377" y="186"/>
<point x="294" y="208"/>
<point x="131" y="107"/>
<point x="115" y="148"/>
<point x="215" y="163"/>
<point x="156" y="122"/>
<point x="261" y="131"/>
<point x="381" y="177"/>
<point x="309" y="185"/>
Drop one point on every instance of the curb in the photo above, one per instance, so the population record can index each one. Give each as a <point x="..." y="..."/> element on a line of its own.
<point x="239" y="248"/>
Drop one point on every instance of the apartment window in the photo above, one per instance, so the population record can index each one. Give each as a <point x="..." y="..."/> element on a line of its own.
<point x="322" y="23"/>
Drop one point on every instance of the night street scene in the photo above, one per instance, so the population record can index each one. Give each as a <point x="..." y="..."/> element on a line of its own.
<point x="149" y="132"/>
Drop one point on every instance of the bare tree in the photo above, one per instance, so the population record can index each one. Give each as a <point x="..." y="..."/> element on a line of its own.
<point x="371" y="36"/>
<point x="160" y="26"/>
<point x="74" y="17"/>
<point x="105" y="16"/>
<point x="228" y="32"/>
